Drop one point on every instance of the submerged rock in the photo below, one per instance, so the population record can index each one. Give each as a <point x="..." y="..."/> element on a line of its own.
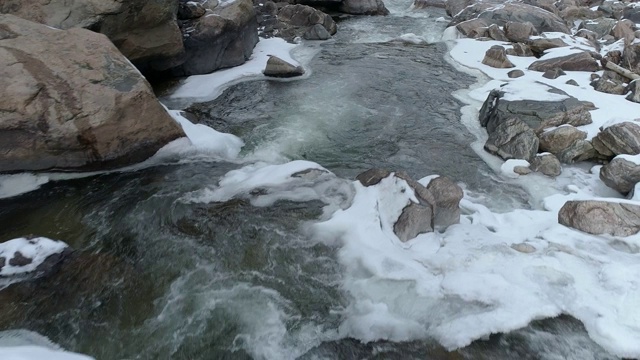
<point x="601" y="217"/>
<point x="73" y="102"/>
<point x="277" y="67"/>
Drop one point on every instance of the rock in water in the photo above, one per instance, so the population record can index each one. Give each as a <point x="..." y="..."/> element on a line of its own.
<point x="496" y="57"/>
<point x="71" y="101"/>
<point x="620" y="174"/>
<point x="317" y="32"/>
<point x="277" y="67"/>
<point x="305" y="21"/>
<point x="363" y="7"/>
<point x="601" y="217"/>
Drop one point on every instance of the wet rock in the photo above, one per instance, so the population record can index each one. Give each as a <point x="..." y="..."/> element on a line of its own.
<point x="601" y="27"/>
<point x="415" y="219"/>
<point x="600" y="217"/>
<point x="624" y="29"/>
<point x="301" y="20"/>
<point x="547" y="164"/>
<point x="539" y="115"/>
<point x="372" y="176"/>
<point x="188" y="10"/>
<point x="553" y="73"/>
<point x="634" y="91"/>
<point x="496" y="33"/>
<point x="540" y="45"/>
<point x="512" y="139"/>
<point x="473" y="28"/>
<point x="609" y="86"/>
<point x="558" y="139"/>
<point x="520" y="49"/>
<point x="515" y="73"/>
<point x="582" y="61"/>
<point x="74" y="103"/>
<point x="572" y="82"/>
<point x="519" y="32"/>
<point x="277" y="67"/>
<point x="542" y="20"/>
<point x="225" y="38"/>
<point x="363" y="7"/>
<point x="622" y="138"/>
<point x="620" y="174"/>
<point x="580" y="150"/>
<point x="496" y="57"/>
<point x="447" y="195"/>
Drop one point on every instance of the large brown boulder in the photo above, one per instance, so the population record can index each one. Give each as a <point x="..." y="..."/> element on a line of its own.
<point x="222" y="39"/>
<point x="618" y="139"/>
<point x="363" y="7"/>
<point x="299" y="20"/>
<point x="582" y="61"/>
<point x="145" y="31"/>
<point x="601" y="217"/>
<point x="620" y="174"/>
<point x="70" y="100"/>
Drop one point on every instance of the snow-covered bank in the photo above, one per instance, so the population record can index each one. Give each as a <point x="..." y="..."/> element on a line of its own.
<point x="28" y="345"/>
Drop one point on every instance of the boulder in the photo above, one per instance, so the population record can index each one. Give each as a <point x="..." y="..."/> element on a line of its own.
<point x="582" y="61"/>
<point x="188" y="10"/>
<point x="624" y="29"/>
<point x="601" y="217"/>
<point x="372" y="176"/>
<point x="519" y="32"/>
<point x="520" y="49"/>
<point x="496" y="33"/>
<point x="609" y="86"/>
<point x="612" y="9"/>
<point x="414" y="220"/>
<point x="589" y="35"/>
<point x="553" y="73"/>
<point x="634" y="91"/>
<point x="632" y="13"/>
<point x="618" y="139"/>
<point x="146" y="32"/>
<point x="546" y="164"/>
<point x="572" y="82"/>
<point x="423" y="4"/>
<point x="558" y="139"/>
<point x="317" y="32"/>
<point x="573" y="13"/>
<point x="71" y="101"/>
<point x="447" y="195"/>
<point x="453" y="7"/>
<point x="538" y="115"/>
<point x="512" y="139"/>
<point x="579" y="150"/>
<point x="473" y="28"/>
<point x="620" y="174"/>
<point x="301" y="21"/>
<point x="277" y="67"/>
<point x="496" y="57"/>
<point x="631" y="57"/>
<point x="601" y="27"/>
<point x="219" y="40"/>
<point x="539" y="45"/>
<point x="515" y="73"/>
<point x="363" y="7"/>
<point x="499" y="13"/>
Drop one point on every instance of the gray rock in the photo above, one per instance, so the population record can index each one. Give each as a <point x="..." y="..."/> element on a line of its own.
<point x="496" y="33"/>
<point x="601" y="27"/>
<point x="522" y="170"/>
<point x="572" y="13"/>
<point x="632" y="13"/>
<point x="520" y="49"/>
<point x="553" y="73"/>
<point x="496" y="57"/>
<point x="453" y="7"/>
<point x="580" y="150"/>
<point x="541" y="19"/>
<point x="300" y="20"/>
<point x="612" y="9"/>
<point x="631" y="57"/>
<point x="634" y="91"/>
<point x="589" y="35"/>
<point x="423" y="4"/>
<point x="447" y="195"/>
<point x="519" y="32"/>
<point x="547" y="164"/>
<point x="277" y="67"/>
<point x="317" y="32"/>
<point x="600" y="217"/>
<point x="188" y="10"/>
<point x="622" y="138"/>
<point x="624" y="29"/>
<point x="540" y="45"/>
<point x="558" y="139"/>
<point x="363" y="7"/>
<point x="515" y="73"/>
<point x="608" y="86"/>
<point x="572" y="82"/>
<point x="620" y="174"/>
<point x="473" y="28"/>
<point x="512" y="139"/>
<point x="582" y="61"/>
<point x="372" y="176"/>
<point x="415" y="220"/>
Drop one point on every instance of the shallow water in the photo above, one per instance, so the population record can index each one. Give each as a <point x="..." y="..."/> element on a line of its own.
<point x="163" y="277"/>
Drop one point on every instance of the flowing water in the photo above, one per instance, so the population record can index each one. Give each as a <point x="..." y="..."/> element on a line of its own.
<point x="161" y="276"/>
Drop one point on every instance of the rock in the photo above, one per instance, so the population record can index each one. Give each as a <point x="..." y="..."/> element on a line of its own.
<point x="553" y="73"/>
<point x="222" y="39"/>
<point x="612" y="9"/>
<point x="601" y="27"/>
<point x="520" y="49"/>
<point x="624" y="29"/>
<point x="473" y="28"/>
<point x="582" y="61"/>
<point x="547" y="164"/>
<point x="572" y="82"/>
<point x="515" y="73"/>
<point x="188" y="10"/>
<point x="589" y="35"/>
<point x="317" y="32"/>
<point x="414" y="220"/>
<point x="301" y="20"/>
<point x="631" y="57"/>
<point x="632" y="13"/>
<point x="580" y="150"/>
<point x="146" y="32"/>
<point x="523" y="248"/>
<point x="620" y="174"/>
<point x="277" y="67"/>
<point x="558" y="139"/>
<point x="522" y="170"/>
<point x="372" y="176"/>
<point x="542" y="20"/>
<point x="363" y="7"/>
<point x="540" y="45"/>
<point x="618" y="139"/>
<point x="519" y="32"/>
<point x="496" y="33"/>
<point x="43" y="255"/>
<point x="600" y="217"/>
<point x="423" y="4"/>
<point x="453" y="7"/>
<point x="608" y="86"/>
<point x="496" y="57"/>
<point x="73" y="102"/>
<point x="447" y="195"/>
<point x="512" y="139"/>
<point x="539" y="115"/>
<point x="634" y="91"/>
<point x="572" y="13"/>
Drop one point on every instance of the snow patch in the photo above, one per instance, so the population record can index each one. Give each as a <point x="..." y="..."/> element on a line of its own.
<point x="36" y="249"/>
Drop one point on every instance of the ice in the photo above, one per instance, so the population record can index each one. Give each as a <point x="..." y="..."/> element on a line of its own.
<point x="13" y="185"/>
<point x="37" y="249"/>
<point x="508" y="167"/>
<point x="411" y="38"/>
<point x="38" y="353"/>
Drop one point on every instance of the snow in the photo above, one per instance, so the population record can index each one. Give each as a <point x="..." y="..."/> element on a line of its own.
<point x="508" y="167"/>
<point x="13" y="185"/>
<point x="202" y="88"/>
<point x="38" y="353"/>
<point x="37" y="249"/>
<point x="631" y="158"/>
